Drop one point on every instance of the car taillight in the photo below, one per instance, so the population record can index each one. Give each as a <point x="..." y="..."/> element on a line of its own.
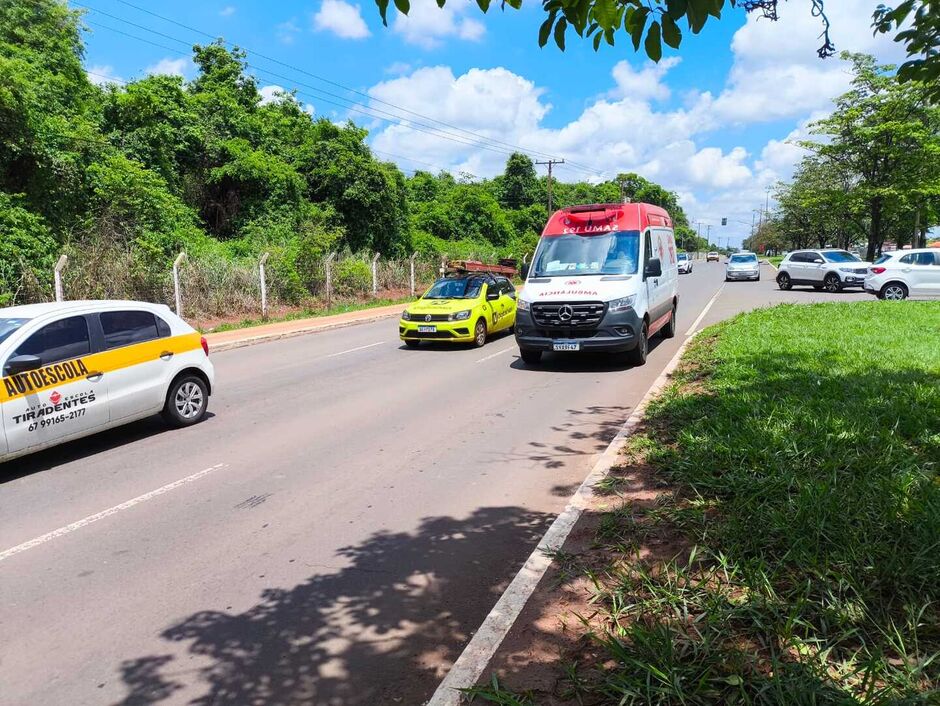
<point x="205" y="344"/>
<point x="877" y="270"/>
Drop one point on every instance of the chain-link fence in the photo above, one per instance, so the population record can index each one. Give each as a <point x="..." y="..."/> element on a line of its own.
<point x="215" y="288"/>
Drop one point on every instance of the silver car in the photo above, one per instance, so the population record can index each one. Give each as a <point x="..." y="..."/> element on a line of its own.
<point x="684" y="262"/>
<point x="743" y="265"/>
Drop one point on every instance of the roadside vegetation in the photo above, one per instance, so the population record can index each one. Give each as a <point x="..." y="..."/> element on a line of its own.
<point x="123" y="176"/>
<point x="791" y="556"/>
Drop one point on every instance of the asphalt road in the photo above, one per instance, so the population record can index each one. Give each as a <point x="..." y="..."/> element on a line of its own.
<point x="337" y="529"/>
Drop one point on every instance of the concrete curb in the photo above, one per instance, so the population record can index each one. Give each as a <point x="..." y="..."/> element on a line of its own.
<point x="469" y="666"/>
<point x="250" y="340"/>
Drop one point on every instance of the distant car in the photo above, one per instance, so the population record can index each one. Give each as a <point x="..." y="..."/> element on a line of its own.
<point x="684" y="262"/>
<point x="71" y="369"/>
<point x="461" y="309"/>
<point x="743" y="265"/>
<point x="905" y="273"/>
<point x="827" y="268"/>
<point x="712" y="257"/>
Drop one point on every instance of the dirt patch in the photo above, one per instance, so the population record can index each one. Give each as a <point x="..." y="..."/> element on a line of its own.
<point x="548" y="650"/>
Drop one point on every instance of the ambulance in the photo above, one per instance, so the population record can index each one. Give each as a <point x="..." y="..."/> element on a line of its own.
<point x="604" y="278"/>
<point x="70" y="369"/>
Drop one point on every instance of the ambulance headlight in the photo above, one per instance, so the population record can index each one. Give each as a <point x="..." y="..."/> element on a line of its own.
<point x="522" y="305"/>
<point x="623" y="304"/>
<point x="405" y="315"/>
<point x="461" y="315"/>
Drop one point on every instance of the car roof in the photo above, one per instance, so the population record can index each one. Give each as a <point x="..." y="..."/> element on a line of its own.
<point x="34" y="311"/>
<point x="908" y="252"/>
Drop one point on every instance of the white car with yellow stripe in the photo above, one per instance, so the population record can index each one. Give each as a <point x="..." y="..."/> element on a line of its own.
<point x="71" y="369"/>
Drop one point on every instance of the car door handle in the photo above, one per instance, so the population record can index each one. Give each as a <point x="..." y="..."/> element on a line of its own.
<point x="94" y="377"/>
<point x="166" y="355"/>
<point x="906" y="269"/>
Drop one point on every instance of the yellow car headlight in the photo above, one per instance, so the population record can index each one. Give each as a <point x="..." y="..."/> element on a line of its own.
<point x="460" y="315"/>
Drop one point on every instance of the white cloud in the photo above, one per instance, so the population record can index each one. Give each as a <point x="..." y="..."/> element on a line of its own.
<point x="398" y="68"/>
<point x="171" y="67"/>
<point x="775" y="76"/>
<point x="227" y="11"/>
<point x="102" y="75"/>
<point x="342" y="19"/>
<point x="271" y="94"/>
<point x="647" y="83"/>
<point x="287" y="31"/>
<point x="427" y="25"/>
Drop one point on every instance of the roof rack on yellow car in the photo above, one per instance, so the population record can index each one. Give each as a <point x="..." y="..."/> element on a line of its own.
<point x="506" y="267"/>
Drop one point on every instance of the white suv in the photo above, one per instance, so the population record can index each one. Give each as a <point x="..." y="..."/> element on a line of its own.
<point x="827" y="269"/>
<point x="904" y="273"/>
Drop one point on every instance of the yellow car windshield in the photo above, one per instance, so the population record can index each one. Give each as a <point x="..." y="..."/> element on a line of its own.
<point x="455" y="288"/>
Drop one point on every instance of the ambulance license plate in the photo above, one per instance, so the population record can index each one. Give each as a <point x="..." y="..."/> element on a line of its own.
<point x="566" y="346"/>
<point x="427" y="329"/>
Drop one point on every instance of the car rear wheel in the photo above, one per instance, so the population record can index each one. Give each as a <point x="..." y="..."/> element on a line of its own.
<point x="186" y="401"/>
<point x="530" y="357"/>
<point x="479" y="333"/>
<point x="832" y="283"/>
<point x="893" y="291"/>
<point x="638" y="355"/>
<point x="783" y="281"/>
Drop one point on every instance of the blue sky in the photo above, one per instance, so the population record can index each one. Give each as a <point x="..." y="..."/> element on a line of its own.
<point x="716" y="123"/>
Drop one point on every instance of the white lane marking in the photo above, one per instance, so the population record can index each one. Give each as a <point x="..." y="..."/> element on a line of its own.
<point x="55" y="534"/>
<point x="480" y="650"/>
<point x="353" y="350"/>
<point x="704" y="311"/>
<point x="493" y="355"/>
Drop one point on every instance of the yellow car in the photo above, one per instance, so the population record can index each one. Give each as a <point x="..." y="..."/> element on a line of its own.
<point x="463" y="309"/>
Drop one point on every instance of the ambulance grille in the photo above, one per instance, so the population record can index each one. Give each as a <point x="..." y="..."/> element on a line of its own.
<point x="569" y="315"/>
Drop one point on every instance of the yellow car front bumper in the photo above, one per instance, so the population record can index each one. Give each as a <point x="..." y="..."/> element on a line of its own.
<point x="453" y="331"/>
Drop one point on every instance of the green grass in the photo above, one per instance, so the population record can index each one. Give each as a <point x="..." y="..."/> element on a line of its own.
<point x="775" y="260"/>
<point x="311" y="313"/>
<point x="801" y="446"/>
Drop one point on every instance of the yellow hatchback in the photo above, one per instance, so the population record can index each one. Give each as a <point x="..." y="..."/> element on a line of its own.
<point x="463" y="309"/>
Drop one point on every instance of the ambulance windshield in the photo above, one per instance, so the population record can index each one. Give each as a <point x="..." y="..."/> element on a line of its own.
<point x="608" y="254"/>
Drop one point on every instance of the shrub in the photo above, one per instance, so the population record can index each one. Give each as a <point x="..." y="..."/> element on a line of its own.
<point x="351" y="277"/>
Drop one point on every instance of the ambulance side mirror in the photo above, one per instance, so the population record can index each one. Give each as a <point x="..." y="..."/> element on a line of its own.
<point x="654" y="268"/>
<point x="23" y="364"/>
<point x="524" y="270"/>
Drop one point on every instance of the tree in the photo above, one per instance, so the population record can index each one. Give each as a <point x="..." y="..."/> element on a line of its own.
<point x="654" y="23"/>
<point x="520" y="185"/>
<point x="883" y="135"/>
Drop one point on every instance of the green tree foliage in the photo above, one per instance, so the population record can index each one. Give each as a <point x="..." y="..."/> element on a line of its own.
<point x="881" y="150"/>
<point x="655" y="23"/>
<point x="139" y="172"/>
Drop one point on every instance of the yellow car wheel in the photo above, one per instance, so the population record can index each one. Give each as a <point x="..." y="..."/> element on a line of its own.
<point x="479" y="333"/>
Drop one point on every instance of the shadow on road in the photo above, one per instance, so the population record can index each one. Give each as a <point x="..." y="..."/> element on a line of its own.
<point x="382" y="629"/>
<point x="85" y="447"/>
<point x="581" y="362"/>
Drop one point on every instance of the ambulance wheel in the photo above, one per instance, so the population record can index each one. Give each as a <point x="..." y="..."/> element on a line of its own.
<point x="479" y="333"/>
<point x="669" y="330"/>
<point x="412" y="344"/>
<point x="186" y="401"/>
<point x="638" y="355"/>
<point x="530" y="357"/>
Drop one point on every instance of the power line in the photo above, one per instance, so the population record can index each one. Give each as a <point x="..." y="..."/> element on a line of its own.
<point x="478" y="137"/>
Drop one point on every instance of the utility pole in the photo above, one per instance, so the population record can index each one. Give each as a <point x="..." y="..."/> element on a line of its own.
<point x="551" y="163"/>
<point x="708" y="237"/>
<point x="623" y="192"/>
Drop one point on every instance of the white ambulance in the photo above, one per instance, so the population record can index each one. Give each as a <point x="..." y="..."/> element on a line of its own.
<point x="71" y="369"/>
<point x="604" y="278"/>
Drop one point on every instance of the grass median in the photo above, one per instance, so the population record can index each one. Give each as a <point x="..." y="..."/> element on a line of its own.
<point x="792" y="555"/>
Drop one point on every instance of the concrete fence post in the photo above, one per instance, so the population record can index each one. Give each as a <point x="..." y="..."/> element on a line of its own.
<point x="57" y="277"/>
<point x="375" y="275"/>
<point x="443" y="263"/>
<point x="328" y="263"/>
<point x="411" y="262"/>
<point x="264" y="285"/>
<point x="176" y="282"/>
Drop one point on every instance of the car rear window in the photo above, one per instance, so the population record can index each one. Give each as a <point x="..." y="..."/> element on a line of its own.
<point x="124" y="328"/>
